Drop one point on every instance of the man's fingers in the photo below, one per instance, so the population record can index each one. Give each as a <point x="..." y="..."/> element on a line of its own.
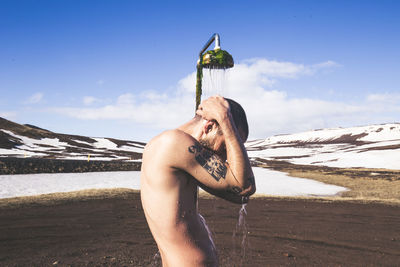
<point x="213" y="108"/>
<point x="200" y="112"/>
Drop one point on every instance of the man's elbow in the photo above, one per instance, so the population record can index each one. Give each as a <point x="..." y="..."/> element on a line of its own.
<point x="252" y="185"/>
<point x="252" y="189"/>
<point x="249" y="190"/>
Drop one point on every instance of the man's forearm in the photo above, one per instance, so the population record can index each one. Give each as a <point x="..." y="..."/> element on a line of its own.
<point x="240" y="174"/>
<point x="229" y="195"/>
<point x="237" y="158"/>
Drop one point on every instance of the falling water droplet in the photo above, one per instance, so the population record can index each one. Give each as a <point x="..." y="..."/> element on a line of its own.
<point x="240" y="236"/>
<point x="203" y="221"/>
<point x="156" y="261"/>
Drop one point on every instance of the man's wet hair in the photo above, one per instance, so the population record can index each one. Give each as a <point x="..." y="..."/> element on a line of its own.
<point x="239" y="117"/>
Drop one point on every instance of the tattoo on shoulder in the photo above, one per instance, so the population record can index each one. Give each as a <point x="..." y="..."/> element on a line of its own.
<point x="209" y="161"/>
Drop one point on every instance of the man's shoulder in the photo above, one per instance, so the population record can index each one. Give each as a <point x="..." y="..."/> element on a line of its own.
<point x="171" y="138"/>
<point x="168" y="148"/>
<point x="175" y="134"/>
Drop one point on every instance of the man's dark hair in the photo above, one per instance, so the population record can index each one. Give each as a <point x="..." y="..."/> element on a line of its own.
<point x="239" y="117"/>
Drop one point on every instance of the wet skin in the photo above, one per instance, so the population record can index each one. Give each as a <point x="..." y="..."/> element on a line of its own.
<point x="174" y="163"/>
<point x="169" y="199"/>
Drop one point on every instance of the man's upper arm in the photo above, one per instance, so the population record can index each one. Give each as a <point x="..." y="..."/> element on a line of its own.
<point x="208" y="160"/>
<point x="204" y="165"/>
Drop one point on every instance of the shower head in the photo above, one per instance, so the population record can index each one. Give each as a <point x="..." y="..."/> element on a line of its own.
<point x="212" y="59"/>
<point x="217" y="59"/>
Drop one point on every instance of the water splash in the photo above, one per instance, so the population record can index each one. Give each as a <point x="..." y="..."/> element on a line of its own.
<point x="203" y="221"/>
<point x="239" y="237"/>
<point x="156" y="261"/>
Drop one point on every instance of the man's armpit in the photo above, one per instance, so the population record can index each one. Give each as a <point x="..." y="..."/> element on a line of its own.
<point x="209" y="161"/>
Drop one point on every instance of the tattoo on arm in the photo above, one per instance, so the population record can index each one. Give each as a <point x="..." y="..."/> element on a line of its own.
<point x="209" y="161"/>
<point x="235" y="190"/>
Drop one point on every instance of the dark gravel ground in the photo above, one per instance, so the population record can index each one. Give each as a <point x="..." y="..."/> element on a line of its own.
<point x="110" y="230"/>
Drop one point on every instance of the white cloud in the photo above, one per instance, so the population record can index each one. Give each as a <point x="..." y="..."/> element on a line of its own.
<point x="89" y="100"/>
<point x="34" y="99"/>
<point x="162" y="113"/>
<point x="269" y="111"/>
<point x="325" y="65"/>
<point x="154" y="96"/>
<point x="9" y="115"/>
<point x="384" y="103"/>
<point x="126" y="100"/>
<point x="100" y="82"/>
<point x="386" y="98"/>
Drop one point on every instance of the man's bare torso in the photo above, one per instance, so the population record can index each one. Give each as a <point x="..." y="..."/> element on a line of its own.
<point x="169" y="198"/>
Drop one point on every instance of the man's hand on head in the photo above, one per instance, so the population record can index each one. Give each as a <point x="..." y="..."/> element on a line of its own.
<point x="214" y="108"/>
<point x="238" y="182"/>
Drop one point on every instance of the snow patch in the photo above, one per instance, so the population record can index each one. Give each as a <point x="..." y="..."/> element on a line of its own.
<point x="30" y="143"/>
<point x="268" y="183"/>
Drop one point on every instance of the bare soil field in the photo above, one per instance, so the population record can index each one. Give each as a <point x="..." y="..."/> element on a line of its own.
<point x="108" y="228"/>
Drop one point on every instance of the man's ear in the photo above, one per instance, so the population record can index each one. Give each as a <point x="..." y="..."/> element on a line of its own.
<point x="208" y="126"/>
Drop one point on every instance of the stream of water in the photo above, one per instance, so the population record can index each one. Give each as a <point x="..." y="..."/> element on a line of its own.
<point x="240" y="240"/>
<point x="215" y="82"/>
<point x="156" y="261"/>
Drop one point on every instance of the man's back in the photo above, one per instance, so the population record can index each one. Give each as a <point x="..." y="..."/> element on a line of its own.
<point x="169" y="198"/>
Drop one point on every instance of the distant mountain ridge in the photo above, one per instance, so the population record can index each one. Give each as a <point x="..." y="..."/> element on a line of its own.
<point x="372" y="146"/>
<point x="17" y="140"/>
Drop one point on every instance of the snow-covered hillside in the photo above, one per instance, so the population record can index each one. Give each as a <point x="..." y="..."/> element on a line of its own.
<point x="374" y="146"/>
<point x="29" y="141"/>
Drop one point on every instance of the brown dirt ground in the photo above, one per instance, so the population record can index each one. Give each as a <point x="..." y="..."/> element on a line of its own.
<point x="108" y="228"/>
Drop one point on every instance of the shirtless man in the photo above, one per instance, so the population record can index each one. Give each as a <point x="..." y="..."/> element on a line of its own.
<point x="208" y="152"/>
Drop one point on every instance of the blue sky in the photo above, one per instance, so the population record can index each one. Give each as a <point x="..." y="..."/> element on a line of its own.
<point x="125" y="69"/>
